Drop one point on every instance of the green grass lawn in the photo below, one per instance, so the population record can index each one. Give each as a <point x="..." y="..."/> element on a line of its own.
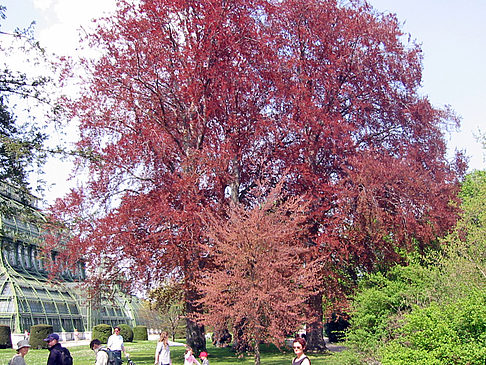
<point x="142" y="353"/>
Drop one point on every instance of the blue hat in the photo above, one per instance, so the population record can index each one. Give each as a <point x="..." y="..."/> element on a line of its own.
<point x="52" y="336"/>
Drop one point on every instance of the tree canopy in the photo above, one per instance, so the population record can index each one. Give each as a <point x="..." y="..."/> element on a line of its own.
<point x="193" y="102"/>
<point x="21" y="141"/>
<point x="262" y="276"/>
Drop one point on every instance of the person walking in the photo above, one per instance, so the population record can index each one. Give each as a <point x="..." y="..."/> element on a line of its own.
<point x="22" y="349"/>
<point x="58" y="355"/>
<point x="115" y="344"/>
<point x="101" y="356"/>
<point x="162" y="352"/>
<point x="299" y="346"/>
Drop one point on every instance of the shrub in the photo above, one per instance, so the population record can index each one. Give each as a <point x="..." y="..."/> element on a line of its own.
<point x="37" y="334"/>
<point x="444" y="334"/>
<point x="5" y="340"/>
<point x="384" y="297"/>
<point x="126" y="332"/>
<point x="102" y="332"/>
<point x="140" y="333"/>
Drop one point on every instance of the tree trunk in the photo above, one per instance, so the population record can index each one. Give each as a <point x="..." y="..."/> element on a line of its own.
<point x="221" y="337"/>
<point x="257" y="353"/>
<point x="194" y="332"/>
<point x="314" y="330"/>
<point x="240" y="344"/>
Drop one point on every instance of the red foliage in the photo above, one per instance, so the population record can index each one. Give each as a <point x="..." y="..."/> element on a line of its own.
<point x="263" y="275"/>
<point x="193" y="102"/>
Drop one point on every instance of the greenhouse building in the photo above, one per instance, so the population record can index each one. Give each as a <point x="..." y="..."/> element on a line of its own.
<point x="27" y="296"/>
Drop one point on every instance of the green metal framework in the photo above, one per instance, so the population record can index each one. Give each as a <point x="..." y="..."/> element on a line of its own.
<point x="27" y="296"/>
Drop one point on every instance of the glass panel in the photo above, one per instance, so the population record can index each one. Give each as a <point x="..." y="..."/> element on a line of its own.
<point x="7" y="289"/>
<point x="6" y="306"/>
<point x="62" y="308"/>
<point x="6" y="321"/>
<point x="35" y="306"/>
<point x="26" y="255"/>
<point x="33" y="254"/>
<point x="67" y="325"/>
<point x="50" y="307"/>
<point x="12" y="257"/>
<point x="56" y="325"/>
<point x="25" y="323"/>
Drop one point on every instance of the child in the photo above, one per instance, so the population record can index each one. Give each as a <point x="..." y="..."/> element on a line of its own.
<point x="204" y="357"/>
<point x="189" y="358"/>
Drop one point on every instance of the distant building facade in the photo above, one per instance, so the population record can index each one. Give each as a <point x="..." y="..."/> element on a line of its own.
<point x="27" y="297"/>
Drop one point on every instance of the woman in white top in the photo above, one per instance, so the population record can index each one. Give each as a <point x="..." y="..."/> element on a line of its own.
<point x="299" y="346"/>
<point x="162" y="352"/>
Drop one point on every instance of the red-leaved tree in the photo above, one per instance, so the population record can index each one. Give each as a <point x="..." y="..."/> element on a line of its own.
<point x="262" y="276"/>
<point x="193" y="102"/>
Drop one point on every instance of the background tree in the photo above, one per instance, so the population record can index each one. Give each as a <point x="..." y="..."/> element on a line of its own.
<point x="432" y="309"/>
<point x="192" y="103"/>
<point x="150" y="317"/>
<point x="21" y="142"/>
<point x="262" y="280"/>
<point x="464" y="248"/>
<point x="168" y="300"/>
<point x="361" y="140"/>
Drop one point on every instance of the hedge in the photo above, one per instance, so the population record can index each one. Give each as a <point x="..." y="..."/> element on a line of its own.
<point x="102" y="332"/>
<point x="37" y="334"/>
<point x="126" y="332"/>
<point x="140" y="333"/>
<point x="5" y="340"/>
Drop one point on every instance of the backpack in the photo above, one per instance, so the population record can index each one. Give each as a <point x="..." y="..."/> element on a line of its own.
<point x="111" y="356"/>
<point x="66" y="358"/>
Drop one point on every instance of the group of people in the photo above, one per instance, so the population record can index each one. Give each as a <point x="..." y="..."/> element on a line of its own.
<point x="58" y="355"/>
<point x="115" y="346"/>
<point x="162" y="353"/>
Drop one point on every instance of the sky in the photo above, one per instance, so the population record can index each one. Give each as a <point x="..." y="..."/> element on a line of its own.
<point x="451" y="33"/>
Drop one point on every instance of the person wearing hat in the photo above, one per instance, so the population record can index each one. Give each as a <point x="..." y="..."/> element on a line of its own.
<point x="22" y="349"/>
<point x="58" y="355"/>
<point x="204" y="357"/>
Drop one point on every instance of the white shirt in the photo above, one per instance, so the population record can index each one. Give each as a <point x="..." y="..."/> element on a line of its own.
<point x="163" y="352"/>
<point x="101" y="357"/>
<point x="189" y="359"/>
<point x="115" y="343"/>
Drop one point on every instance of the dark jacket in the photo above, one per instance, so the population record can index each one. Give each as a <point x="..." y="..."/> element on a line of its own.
<point x="55" y="357"/>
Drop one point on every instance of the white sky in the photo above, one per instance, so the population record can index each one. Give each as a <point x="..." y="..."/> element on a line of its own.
<point x="451" y="33"/>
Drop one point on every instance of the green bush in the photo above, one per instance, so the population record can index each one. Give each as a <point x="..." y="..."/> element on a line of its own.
<point x="382" y="298"/>
<point x="453" y="333"/>
<point x="140" y="333"/>
<point x="5" y="340"/>
<point x="102" y="332"/>
<point x="126" y="332"/>
<point x="37" y="334"/>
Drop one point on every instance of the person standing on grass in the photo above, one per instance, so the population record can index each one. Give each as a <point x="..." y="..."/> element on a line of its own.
<point x="162" y="352"/>
<point x="115" y="344"/>
<point x="101" y="356"/>
<point x="189" y="358"/>
<point x="299" y="346"/>
<point x="22" y="349"/>
<point x="58" y="355"/>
